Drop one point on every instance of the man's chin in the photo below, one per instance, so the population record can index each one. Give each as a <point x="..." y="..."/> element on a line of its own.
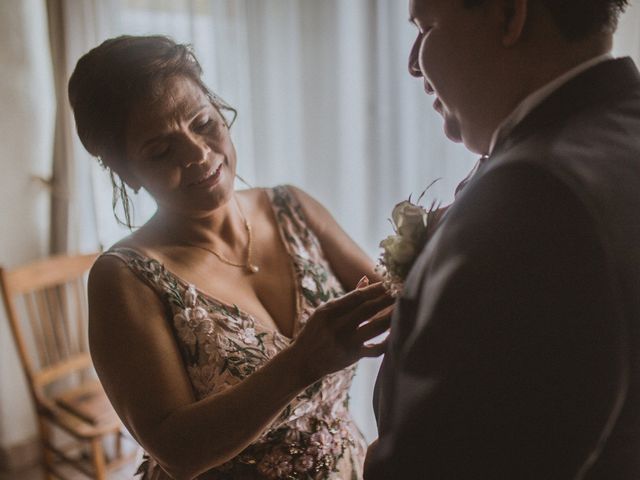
<point x="452" y="131"/>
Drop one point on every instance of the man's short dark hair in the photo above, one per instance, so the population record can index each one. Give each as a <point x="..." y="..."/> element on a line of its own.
<point x="578" y="19"/>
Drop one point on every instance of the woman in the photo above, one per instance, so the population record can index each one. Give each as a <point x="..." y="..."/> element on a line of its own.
<point x="196" y="318"/>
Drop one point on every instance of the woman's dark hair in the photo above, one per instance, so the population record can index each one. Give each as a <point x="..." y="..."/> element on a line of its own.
<point x="578" y="19"/>
<point x="110" y="80"/>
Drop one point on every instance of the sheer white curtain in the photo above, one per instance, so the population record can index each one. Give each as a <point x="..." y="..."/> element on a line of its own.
<point x="323" y="96"/>
<point x="627" y="38"/>
<point x="324" y="99"/>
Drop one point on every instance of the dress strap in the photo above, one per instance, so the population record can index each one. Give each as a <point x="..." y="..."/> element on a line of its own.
<point x="292" y="221"/>
<point x="147" y="269"/>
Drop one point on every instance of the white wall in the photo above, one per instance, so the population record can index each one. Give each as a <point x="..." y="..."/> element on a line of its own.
<point x="26" y="135"/>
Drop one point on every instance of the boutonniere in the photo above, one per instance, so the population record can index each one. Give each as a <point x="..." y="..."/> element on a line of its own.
<point x="412" y="225"/>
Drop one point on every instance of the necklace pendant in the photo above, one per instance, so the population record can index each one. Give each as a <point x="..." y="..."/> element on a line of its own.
<point x="253" y="268"/>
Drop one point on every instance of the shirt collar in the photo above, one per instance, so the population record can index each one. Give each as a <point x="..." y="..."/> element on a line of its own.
<point x="537" y="97"/>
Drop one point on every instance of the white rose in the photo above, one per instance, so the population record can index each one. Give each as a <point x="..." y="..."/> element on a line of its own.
<point x="399" y="249"/>
<point x="410" y="220"/>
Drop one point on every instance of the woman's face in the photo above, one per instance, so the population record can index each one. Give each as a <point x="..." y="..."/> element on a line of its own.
<point x="179" y="149"/>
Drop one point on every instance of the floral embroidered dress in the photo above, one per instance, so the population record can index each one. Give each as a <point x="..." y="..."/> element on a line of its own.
<point x="314" y="437"/>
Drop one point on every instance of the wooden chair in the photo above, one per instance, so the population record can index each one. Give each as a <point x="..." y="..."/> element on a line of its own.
<point x="47" y="311"/>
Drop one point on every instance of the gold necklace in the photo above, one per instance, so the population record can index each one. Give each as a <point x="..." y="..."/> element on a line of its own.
<point x="248" y="265"/>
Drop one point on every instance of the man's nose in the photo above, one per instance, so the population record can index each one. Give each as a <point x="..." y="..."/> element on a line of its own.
<point x="414" y="62"/>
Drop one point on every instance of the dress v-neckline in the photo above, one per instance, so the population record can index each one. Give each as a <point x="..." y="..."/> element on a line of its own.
<point x="233" y="307"/>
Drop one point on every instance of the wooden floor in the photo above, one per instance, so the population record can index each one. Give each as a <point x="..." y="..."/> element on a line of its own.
<point x="125" y="473"/>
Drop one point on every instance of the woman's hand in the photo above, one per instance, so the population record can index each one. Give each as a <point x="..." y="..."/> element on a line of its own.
<point x="337" y="333"/>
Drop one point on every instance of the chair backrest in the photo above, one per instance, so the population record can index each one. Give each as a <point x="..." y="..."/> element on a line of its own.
<point x="47" y="311"/>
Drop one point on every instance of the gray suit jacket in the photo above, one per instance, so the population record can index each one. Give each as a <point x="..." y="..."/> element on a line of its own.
<point x="515" y="347"/>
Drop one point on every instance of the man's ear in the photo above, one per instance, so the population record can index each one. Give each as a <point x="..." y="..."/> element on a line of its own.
<point x="515" y="18"/>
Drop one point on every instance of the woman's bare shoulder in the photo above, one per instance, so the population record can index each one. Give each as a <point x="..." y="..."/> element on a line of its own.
<point x="252" y="195"/>
<point x="110" y="270"/>
<point x="109" y="274"/>
<point x="113" y="287"/>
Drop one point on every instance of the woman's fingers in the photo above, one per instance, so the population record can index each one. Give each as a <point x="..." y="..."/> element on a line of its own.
<point x="376" y="326"/>
<point x="374" y="349"/>
<point x="353" y="299"/>
<point x="364" y="281"/>
<point x="366" y="311"/>
<point x="334" y="338"/>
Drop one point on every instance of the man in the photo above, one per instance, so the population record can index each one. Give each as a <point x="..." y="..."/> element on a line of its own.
<point x="514" y="348"/>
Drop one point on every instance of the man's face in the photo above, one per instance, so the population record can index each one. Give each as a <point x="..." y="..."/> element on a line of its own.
<point x="455" y="53"/>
